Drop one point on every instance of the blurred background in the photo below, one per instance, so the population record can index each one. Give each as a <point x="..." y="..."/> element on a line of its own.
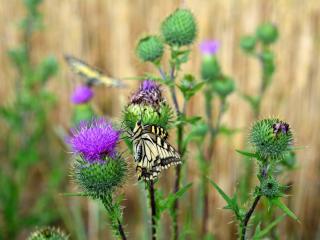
<point x="104" y="33"/>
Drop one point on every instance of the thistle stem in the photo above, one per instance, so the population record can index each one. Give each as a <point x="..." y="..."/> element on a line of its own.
<point x="116" y="223"/>
<point x="248" y="216"/>
<point x="153" y="210"/>
<point x="179" y="141"/>
<point x="263" y="172"/>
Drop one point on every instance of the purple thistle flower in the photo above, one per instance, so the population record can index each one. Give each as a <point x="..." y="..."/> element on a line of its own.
<point x="280" y="127"/>
<point x="94" y="140"/>
<point x="209" y="47"/>
<point x="81" y="94"/>
<point x="149" y="93"/>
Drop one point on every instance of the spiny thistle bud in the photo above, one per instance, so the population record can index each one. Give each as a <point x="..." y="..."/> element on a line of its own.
<point x="147" y="105"/>
<point x="179" y="29"/>
<point x="150" y="49"/>
<point x="270" y="188"/>
<point x="224" y="86"/>
<point x="147" y="114"/>
<point x="271" y="138"/>
<point x="248" y="43"/>
<point x="48" y="233"/>
<point x="81" y="95"/>
<point x="267" y="33"/>
<point x="99" y="178"/>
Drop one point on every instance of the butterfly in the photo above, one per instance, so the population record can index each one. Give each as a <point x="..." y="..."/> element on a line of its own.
<point x="92" y="75"/>
<point x="152" y="152"/>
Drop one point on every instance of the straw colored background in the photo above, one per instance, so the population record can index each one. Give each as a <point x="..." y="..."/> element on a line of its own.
<point x="104" y="33"/>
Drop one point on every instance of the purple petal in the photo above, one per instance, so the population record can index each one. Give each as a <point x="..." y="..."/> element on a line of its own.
<point x="81" y="94"/>
<point x="209" y="47"/>
<point x="94" y="140"/>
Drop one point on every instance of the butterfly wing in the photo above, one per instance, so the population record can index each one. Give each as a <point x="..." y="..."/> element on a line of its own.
<point x="152" y="154"/>
<point x="92" y="75"/>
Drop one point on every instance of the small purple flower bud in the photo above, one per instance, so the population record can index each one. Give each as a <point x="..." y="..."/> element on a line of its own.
<point x="280" y="127"/>
<point x="81" y="94"/>
<point x="94" y="140"/>
<point x="149" y="93"/>
<point x="209" y="47"/>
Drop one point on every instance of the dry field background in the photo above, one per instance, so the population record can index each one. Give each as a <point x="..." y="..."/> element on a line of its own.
<point x="104" y="33"/>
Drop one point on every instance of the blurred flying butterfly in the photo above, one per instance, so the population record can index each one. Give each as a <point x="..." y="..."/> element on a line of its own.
<point x="91" y="75"/>
<point x="152" y="152"/>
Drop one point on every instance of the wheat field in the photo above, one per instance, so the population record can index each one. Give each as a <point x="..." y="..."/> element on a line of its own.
<point x="105" y="32"/>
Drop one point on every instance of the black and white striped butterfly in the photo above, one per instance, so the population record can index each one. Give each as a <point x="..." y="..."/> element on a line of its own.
<point x="152" y="152"/>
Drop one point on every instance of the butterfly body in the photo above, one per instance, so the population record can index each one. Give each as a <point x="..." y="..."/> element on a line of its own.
<point x="91" y="75"/>
<point x="152" y="152"/>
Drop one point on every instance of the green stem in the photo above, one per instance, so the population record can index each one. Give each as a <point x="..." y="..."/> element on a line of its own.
<point x="176" y="188"/>
<point x="244" y="224"/>
<point x="115" y="221"/>
<point x="213" y="130"/>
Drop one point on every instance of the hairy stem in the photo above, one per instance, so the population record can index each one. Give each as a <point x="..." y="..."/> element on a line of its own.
<point x="248" y="216"/>
<point x="244" y="224"/>
<point x="115" y="221"/>
<point x="179" y="141"/>
<point x="153" y="210"/>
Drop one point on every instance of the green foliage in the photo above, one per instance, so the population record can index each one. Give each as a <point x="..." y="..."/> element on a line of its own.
<point x="189" y="87"/>
<point x="232" y="203"/>
<point x="179" y="29"/>
<point x="268" y="143"/>
<point x="259" y="234"/>
<point x="26" y="135"/>
<point x="97" y="179"/>
<point x="147" y="114"/>
<point x="150" y="49"/>
<point x="48" y="233"/>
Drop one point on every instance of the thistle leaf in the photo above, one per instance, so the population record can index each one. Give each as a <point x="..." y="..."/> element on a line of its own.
<point x="283" y="207"/>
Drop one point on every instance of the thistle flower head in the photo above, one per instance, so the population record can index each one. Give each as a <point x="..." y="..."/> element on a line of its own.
<point x="82" y="94"/>
<point x="99" y="178"/>
<point x="209" y="47"/>
<point x="180" y="28"/>
<point x="48" y="233"/>
<point x="271" y="138"/>
<point x="270" y="188"/>
<point x="94" y="140"/>
<point x="223" y="86"/>
<point x="150" y="48"/>
<point x="149" y="93"/>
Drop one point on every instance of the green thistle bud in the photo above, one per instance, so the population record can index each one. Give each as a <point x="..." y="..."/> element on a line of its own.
<point x="147" y="114"/>
<point x="210" y="68"/>
<point x="150" y="48"/>
<point x="270" y="188"/>
<point x="224" y="86"/>
<point x="48" y="233"/>
<point x="248" y="43"/>
<point x="267" y="33"/>
<point x="179" y="29"/>
<point x="271" y="138"/>
<point x="99" y="178"/>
